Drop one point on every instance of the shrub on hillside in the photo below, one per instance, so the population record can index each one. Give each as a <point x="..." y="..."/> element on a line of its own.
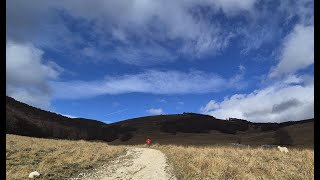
<point x="126" y="137"/>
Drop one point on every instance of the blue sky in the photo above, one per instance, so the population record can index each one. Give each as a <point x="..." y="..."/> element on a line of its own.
<point x="114" y="60"/>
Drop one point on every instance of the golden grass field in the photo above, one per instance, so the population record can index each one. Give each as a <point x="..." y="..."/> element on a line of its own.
<point x="223" y="162"/>
<point x="54" y="159"/>
<point x="59" y="159"/>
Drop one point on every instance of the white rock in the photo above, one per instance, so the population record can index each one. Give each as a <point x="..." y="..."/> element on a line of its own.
<point x="34" y="174"/>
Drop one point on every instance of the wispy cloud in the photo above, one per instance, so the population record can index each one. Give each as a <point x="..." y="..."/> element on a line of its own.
<point x="137" y="27"/>
<point x="180" y="102"/>
<point x="155" y="111"/>
<point x="151" y="81"/>
<point x="163" y="101"/>
<point x="288" y="97"/>
<point x="142" y="55"/>
<point x="165" y="28"/>
<point x="268" y="23"/>
<point x="116" y="112"/>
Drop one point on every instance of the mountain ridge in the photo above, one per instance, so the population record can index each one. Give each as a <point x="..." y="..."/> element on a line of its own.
<point x="186" y="128"/>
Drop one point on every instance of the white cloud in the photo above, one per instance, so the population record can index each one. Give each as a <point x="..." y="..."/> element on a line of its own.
<point x="277" y="103"/>
<point x="291" y="97"/>
<point x="163" y="21"/>
<point x="212" y="105"/>
<point x="91" y="52"/>
<point x="136" y="26"/>
<point x="232" y="7"/>
<point x="297" y="52"/>
<point x="242" y="68"/>
<point x="155" y="111"/>
<point x="151" y="81"/>
<point x="268" y="21"/>
<point x="30" y="96"/>
<point x="142" y="55"/>
<point x="162" y="100"/>
<point x="237" y="79"/>
<point x="27" y="74"/>
<point x="180" y="102"/>
<point x="301" y="9"/>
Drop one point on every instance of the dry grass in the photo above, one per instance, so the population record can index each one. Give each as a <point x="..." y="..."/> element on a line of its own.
<point x="54" y="159"/>
<point x="225" y="162"/>
<point x="60" y="159"/>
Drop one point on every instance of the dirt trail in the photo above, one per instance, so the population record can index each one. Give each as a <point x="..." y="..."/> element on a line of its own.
<point x="137" y="164"/>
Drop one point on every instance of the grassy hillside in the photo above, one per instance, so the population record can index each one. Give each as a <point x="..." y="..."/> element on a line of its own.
<point x="226" y="162"/>
<point x="22" y="119"/>
<point x="198" y="129"/>
<point x="54" y="159"/>
<point x="176" y="129"/>
<point x="60" y="159"/>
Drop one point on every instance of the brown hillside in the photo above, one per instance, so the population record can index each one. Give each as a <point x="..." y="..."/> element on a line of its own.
<point x="187" y="128"/>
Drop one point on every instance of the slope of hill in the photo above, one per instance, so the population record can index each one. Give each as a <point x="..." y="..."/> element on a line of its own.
<point x="198" y="129"/>
<point x="23" y="119"/>
<point x="187" y="128"/>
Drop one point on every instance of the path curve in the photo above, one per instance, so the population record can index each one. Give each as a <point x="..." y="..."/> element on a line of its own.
<point x="136" y="164"/>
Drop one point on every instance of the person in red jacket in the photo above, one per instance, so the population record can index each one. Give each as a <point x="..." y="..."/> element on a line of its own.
<point x="148" y="141"/>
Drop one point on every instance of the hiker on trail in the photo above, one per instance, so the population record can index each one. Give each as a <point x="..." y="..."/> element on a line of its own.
<point x="148" y="141"/>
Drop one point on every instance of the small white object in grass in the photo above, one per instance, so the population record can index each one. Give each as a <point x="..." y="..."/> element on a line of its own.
<point x="34" y="174"/>
<point x="283" y="149"/>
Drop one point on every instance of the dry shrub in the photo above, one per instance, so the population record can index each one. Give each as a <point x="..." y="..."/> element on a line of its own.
<point x="54" y="159"/>
<point x="223" y="162"/>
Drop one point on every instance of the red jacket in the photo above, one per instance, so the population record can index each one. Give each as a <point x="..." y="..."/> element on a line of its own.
<point x="148" y="141"/>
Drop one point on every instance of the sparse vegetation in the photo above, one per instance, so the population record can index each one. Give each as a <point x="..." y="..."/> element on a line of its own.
<point x="282" y="137"/>
<point x="59" y="159"/>
<point x="54" y="159"/>
<point x="126" y="137"/>
<point x="224" y="162"/>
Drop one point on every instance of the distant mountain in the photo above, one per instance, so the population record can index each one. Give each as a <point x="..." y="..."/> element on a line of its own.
<point x="199" y="129"/>
<point x="187" y="128"/>
<point x="22" y="119"/>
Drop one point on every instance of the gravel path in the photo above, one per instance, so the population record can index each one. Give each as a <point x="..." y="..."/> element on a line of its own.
<point x="137" y="164"/>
